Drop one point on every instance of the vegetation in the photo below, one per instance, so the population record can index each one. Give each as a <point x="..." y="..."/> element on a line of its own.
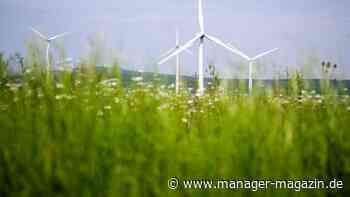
<point x="74" y="136"/>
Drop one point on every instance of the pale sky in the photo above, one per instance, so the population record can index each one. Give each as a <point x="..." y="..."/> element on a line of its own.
<point x="141" y="30"/>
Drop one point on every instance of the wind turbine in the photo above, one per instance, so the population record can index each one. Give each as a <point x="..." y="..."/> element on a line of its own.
<point x="48" y="40"/>
<point x="251" y="63"/>
<point x="177" y="46"/>
<point x="201" y="36"/>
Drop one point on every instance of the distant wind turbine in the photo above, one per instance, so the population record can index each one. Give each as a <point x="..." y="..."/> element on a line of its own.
<point x="251" y="63"/>
<point x="48" y="40"/>
<point x="177" y="46"/>
<point x="201" y="37"/>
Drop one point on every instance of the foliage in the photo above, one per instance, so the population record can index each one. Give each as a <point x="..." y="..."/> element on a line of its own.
<point x="215" y="81"/>
<point x="296" y="84"/>
<point x="3" y="69"/>
<point x="73" y="136"/>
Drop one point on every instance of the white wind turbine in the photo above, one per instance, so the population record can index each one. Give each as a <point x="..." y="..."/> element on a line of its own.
<point x="251" y="63"/>
<point x="201" y="37"/>
<point x="48" y="40"/>
<point x="177" y="46"/>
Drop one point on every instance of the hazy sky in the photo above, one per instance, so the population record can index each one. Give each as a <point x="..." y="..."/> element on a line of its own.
<point x="142" y="30"/>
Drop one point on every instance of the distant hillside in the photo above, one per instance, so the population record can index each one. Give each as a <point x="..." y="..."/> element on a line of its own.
<point x="231" y="84"/>
<point x="190" y="81"/>
<point x="168" y="79"/>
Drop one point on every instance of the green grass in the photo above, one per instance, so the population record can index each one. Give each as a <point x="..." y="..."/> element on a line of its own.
<point x="76" y="137"/>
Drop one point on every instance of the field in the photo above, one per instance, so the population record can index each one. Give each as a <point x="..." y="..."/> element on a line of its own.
<point x="71" y="135"/>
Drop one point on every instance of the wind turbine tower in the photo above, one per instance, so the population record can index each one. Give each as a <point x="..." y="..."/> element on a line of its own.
<point x="178" y="69"/>
<point x="251" y="62"/>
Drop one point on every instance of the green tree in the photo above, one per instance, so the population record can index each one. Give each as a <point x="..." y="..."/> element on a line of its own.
<point x="3" y="68"/>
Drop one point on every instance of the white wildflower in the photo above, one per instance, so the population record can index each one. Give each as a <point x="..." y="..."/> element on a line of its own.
<point x="3" y="107"/>
<point x="13" y="87"/>
<point x="184" y="120"/>
<point x="40" y="94"/>
<point x="285" y="102"/>
<point x="162" y="107"/>
<point x="137" y="79"/>
<point x="68" y="97"/>
<point x="116" y="100"/>
<point x="108" y="107"/>
<point x="29" y="93"/>
<point x="59" y="86"/>
<point x="100" y="113"/>
<point x="58" y="97"/>
<point x="77" y="82"/>
<point x="28" y="71"/>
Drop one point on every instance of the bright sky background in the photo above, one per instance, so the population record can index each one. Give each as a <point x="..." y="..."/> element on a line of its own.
<point x="141" y="30"/>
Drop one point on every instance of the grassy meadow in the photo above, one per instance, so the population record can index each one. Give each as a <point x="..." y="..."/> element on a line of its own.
<point x="68" y="134"/>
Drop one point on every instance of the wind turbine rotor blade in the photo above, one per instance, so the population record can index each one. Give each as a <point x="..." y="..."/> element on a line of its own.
<point x="180" y="49"/>
<point x="239" y="51"/>
<point x="189" y="52"/>
<point x="233" y="50"/>
<point x="232" y="46"/>
<point x="200" y="15"/>
<point x="58" y="36"/>
<point x="264" y="54"/>
<point x="168" y="52"/>
<point x="38" y="33"/>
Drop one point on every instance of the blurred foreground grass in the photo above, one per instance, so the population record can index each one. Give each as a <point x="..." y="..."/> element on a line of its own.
<point x="74" y="136"/>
